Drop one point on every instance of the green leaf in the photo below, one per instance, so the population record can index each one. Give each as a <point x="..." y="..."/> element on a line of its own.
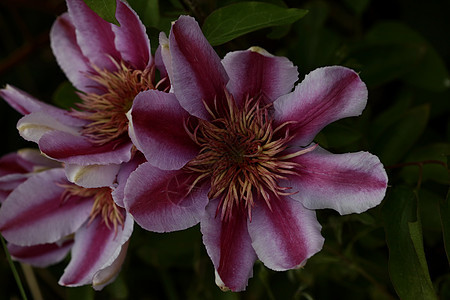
<point x="392" y="50"/>
<point x="407" y="264"/>
<point x="431" y="156"/>
<point x="65" y="96"/>
<point x="400" y="136"/>
<point x="106" y="9"/>
<point x="444" y="210"/>
<point x="232" y="21"/>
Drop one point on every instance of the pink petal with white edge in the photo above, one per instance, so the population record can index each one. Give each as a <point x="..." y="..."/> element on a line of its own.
<point x="107" y="275"/>
<point x="131" y="38"/>
<point x="35" y="212"/>
<point x="157" y="130"/>
<point x="35" y="157"/>
<point x="92" y="176"/>
<point x="124" y="172"/>
<point x="42" y="255"/>
<point x="257" y="72"/>
<point x="96" y="247"/>
<point x="26" y="104"/>
<point x="69" y="56"/>
<point x="197" y="72"/>
<point x="348" y="183"/>
<point x="286" y="235"/>
<point x="229" y="246"/>
<point x="33" y="126"/>
<point x="159" y="62"/>
<point x="94" y="35"/>
<point x="75" y="149"/>
<point x="163" y="201"/>
<point x="324" y="96"/>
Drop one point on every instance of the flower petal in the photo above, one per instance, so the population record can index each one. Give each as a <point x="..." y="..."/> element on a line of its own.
<point x="198" y="74"/>
<point x="35" y="212"/>
<point x="255" y="71"/>
<point x="27" y="104"/>
<point x="96" y="247"/>
<point x="72" y="148"/>
<point x="348" y="183"/>
<point x="107" y="275"/>
<point x="94" y="35"/>
<point x="42" y="255"/>
<point x="92" y="176"/>
<point x="286" y="235"/>
<point x="229" y="246"/>
<point x="124" y="172"/>
<point x="163" y="201"/>
<point x="157" y="130"/>
<point x="324" y="96"/>
<point x="69" y="56"/>
<point x="131" y="38"/>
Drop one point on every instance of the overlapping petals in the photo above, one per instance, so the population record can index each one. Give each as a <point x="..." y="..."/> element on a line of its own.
<point x="100" y="60"/>
<point x="45" y="216"/>
<point x="276" y="221"/>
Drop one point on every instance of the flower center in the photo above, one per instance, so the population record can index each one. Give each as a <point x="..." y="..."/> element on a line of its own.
<point x="243" y="156"/>
<point x="106" y="112"/>
<point x="104" y="205"/>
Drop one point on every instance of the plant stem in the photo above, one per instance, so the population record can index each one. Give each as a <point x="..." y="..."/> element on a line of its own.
<point x="14" y="270"/>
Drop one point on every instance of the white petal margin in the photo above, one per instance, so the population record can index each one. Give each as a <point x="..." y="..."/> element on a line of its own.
<point x="92" y="176"/>
<point x="286" y="235"/>
<point x="33" y="126"/>
<point x="96" y="247"/>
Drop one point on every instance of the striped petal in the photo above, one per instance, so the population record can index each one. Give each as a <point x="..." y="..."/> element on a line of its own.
<point x="229" y="246"/>
<point x="347" y="183"/>
<point x="324" y="96"/>
<point x="164" y="201"/>
<point x="36" y="213"/>
<point x="158" y="130"/>
<point x="42" y="255"/>
<point x="198" y="76"/>
<point x="285" y="235"/>
<point x="256" y="72"/>
<point x="96" y="247"/>
<point x="131" y="38"/>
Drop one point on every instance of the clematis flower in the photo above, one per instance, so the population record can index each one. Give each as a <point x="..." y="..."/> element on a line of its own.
<point x="232" y="148"/>
<point x="109" y="65"/>
<point x="46" y="216"/>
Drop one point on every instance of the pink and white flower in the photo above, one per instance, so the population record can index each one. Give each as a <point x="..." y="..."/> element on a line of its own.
<point x="46" y="216"/>
<point x="232" y="148"/>
<point x="109" y="65"/>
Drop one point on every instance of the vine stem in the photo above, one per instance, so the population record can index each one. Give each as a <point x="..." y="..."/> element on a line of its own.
<point x="14" y="270"/>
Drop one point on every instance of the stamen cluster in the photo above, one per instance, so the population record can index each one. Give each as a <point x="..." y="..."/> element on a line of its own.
<point x="104" y="205"/>
<point x="107" y="110"/>
<point x="243" y="155"/>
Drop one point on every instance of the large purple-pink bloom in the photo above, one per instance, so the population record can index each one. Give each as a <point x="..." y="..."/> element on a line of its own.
<point x="108" y="65"/>
<point x="45" y="216"/>
<point x="232" y="148"/>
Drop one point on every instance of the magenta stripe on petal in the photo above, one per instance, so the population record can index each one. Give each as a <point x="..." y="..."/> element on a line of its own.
<point x="42" y="255"/>
<point x="73" y="149"/>
<point x="94" y="35"/>
<point x="69" y="56"/>
<point x="256" y="72"/>
<point x="158" y="130"/>
<point x="286" y="235"/>
<point x="229" y="246"/>
<point x="131" y="39"/>
<point x="348" y="183"/>
<point x="324" y="96"/>
<point x="162" y="201"/>
<point x="36" y="213"/>
<point x="96" y="247"/>
<point x="198" y="74"/>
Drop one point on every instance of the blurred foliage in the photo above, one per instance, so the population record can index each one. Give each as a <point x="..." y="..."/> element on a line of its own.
<point x="397" y="250"/>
